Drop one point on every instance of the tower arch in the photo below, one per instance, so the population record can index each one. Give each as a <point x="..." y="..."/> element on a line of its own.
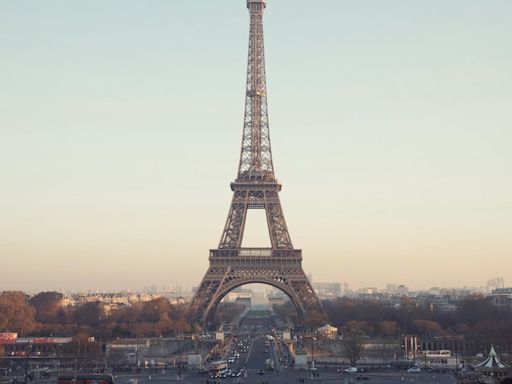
<point x="213" y="306"/>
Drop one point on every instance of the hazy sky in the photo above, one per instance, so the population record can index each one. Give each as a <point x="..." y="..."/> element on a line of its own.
<point x="120" y="128"/>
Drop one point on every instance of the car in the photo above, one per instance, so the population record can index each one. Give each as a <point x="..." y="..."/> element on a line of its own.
<point x="236" y="373"/>
<point x="350" y="370"/>
<point x="414" y="370"/>
<point x="261" y="372"/>
<point x="362" y="377"/>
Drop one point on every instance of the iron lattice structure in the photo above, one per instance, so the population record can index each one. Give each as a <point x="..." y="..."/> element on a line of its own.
<point x="256" y="187"/>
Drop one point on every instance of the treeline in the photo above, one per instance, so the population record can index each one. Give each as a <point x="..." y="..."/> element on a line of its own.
<point x="43" y="315"/>
<point x="475" y="318"/>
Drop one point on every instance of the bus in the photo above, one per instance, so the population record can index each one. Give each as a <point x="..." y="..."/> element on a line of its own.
<point x="86" y="378"/>
<point x="439" y="354"/>
<point x="218" y="366"/>
<point x="438" y="358"/>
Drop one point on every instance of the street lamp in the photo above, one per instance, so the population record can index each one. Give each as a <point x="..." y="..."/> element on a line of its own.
<point x="76" y="359"/>
<point x="456" y="365"/>
<point x="180" y="338"/>
<point x="313" y="368"/>
<point x="27" y="354"/>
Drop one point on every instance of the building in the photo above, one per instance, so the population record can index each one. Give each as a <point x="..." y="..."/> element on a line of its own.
<point x="502" y="297"/>
<point x="327" y="290"/>
<point x="328" y="332"/>
<point x="495" y="283"/>
<point x="239" y="295"/>
<point x="402" y="290"/>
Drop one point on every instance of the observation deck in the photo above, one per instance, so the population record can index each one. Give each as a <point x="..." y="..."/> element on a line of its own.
<point x="255" y="254"/>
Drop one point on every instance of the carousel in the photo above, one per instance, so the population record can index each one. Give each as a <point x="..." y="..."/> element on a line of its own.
<point x="490" y="371"/>
<point x="492" y="363"/>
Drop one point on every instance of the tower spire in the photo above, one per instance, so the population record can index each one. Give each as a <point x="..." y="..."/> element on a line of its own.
<point x="256" y="155"/>
<point x="256" y="187"/>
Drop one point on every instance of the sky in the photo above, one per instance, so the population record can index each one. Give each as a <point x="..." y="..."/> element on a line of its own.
<point x="121" y="121"/>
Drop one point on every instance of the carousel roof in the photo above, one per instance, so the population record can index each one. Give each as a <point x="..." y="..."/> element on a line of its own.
<point x="492" y="361"/>
<point x="327" y="328"/>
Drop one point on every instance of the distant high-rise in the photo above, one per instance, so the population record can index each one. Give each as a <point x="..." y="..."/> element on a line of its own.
<point x="402" y="290"/>
<point x="327" y="290"/>
<point x="346" y="289"/>
<point x="495" y="283"/>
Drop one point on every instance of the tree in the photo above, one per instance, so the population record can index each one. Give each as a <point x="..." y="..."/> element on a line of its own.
<point x="128" y="315"/>
<point x="475" y="309"/>
<point x="353" y="345"/>
<point x="154" y="309"/>
<point x="85" y="346"/>
<point x="286" y="312"/>
<point x="485" y="333"/>
<point x="89" y="314"/>
<point x="47" y="306"/>
<point x="389" y="328"/>
<point x="182" y="326"/>
<point x="165" y="325"/>
<point x="461" y="328"/>
<point x="15" y="313"/>
<point x="314" y="319"/>
<point x="427" y="327"/>
<point x="359" y="326"/>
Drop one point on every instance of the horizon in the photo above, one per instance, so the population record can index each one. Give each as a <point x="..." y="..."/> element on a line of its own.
<point x="121" y="127"/>
<point x="481" y="288"/>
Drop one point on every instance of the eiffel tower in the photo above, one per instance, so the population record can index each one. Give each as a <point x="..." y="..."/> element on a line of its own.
<point x="256" y="187"/>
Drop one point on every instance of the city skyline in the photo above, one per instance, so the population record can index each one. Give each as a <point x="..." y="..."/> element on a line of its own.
<point x="485" y="287"/>
<point x="120" y="135"/>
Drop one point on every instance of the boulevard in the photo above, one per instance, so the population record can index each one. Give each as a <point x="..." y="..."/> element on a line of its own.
<point x="255" y="370"/>
<point x="328" y="376"/>
<point x="254" y="354"/>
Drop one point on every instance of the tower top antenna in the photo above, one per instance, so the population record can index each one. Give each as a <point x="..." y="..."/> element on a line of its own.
<point x="256" y="2"/>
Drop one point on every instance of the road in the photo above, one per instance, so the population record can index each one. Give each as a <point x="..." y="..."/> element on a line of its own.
<point x="258" y="355"/>
<point x="291" y="376"/>
<point x="249" y="353"/>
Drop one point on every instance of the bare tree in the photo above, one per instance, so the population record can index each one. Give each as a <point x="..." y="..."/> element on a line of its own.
<point x="353" y="345"/>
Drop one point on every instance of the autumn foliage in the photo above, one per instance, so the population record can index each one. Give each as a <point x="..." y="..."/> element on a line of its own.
<point x="475" y="318"/>
<point x="43" y="315"/>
